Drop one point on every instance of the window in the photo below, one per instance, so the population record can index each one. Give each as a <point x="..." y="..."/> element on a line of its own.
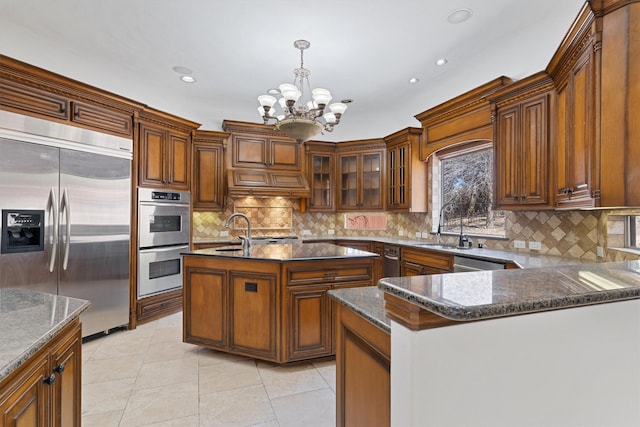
<point x="467" y="192"/>
<point x="633" y="231"/>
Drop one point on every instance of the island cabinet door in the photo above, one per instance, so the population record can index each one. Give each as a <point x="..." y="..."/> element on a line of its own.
<point x="254" y="314"/>
<point x="309" y="322"/>
<point x="205" y="310"/>
<point x="66" y="365"/>
<point x="25" y="401"/>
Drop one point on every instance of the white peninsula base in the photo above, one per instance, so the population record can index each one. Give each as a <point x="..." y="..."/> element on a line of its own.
<point x="570" y="367"/>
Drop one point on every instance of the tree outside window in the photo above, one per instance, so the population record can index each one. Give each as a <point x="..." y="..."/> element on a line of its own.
<point x="467" y="194"/>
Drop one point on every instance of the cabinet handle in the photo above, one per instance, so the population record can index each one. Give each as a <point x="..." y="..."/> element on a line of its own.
<point x="330" y="273"/>
<point x="523" y="197"/>
<point x="60" y="368"/>
<point x="63" y="110"/>
<point x="515" y="198"/>
<point x="50" y="379"/>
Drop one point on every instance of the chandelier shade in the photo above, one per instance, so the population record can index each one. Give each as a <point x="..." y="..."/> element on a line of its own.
<point x="302" y="109"/>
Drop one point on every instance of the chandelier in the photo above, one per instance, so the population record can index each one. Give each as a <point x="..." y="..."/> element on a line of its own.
<point x="302" y="109"/>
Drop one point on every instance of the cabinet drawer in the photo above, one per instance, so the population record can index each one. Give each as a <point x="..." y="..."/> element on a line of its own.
<point x="102" y="118"/>
<point x="426" y="258"/>
<point x="27" y="99"/>
<point x="305" y="274"/>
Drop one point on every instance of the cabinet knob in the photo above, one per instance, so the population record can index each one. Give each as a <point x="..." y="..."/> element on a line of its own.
<point x="50" y="379"/>
<point x="523" y="196"/>
<point x="60" y="368"/>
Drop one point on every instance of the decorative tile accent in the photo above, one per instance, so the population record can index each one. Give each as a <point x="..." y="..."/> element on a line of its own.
<point x="563" y="233"/>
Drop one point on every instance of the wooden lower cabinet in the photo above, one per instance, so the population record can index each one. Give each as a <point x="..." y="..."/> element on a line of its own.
<point x="270" y="310"/>
<point x="157" y="306"/>
<point x="46" y="389"/>
<point x="363" y="366"/>
<point x="232" y="306"/>
<point x="309" y="322"/>
<point x="419" y="262"/>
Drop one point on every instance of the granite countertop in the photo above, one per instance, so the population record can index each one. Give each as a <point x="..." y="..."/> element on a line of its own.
<point x="367" y="301"/>
<point x="521" y="259"/>
<point x="488" y="294"/>
<point x="285" y="252"/>
<point x="29" y="320"/>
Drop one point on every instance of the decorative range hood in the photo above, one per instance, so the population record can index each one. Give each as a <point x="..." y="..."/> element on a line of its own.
<point x="243" y="182"/>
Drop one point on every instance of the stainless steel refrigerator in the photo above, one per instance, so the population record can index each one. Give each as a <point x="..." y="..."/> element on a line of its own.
<point x="65" y="196"/>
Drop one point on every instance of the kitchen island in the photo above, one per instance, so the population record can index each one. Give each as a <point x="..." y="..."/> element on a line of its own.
<point x="40" y="358"/>
<point x="551" y="346"/>
<point x="270" y="302"/>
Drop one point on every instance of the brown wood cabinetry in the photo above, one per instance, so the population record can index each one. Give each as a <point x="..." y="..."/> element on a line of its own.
<point x="233" y="306"/>
<point x="207" y="190"/>
<point x="361" y="179"/>
<point x="363" y="366"/>
<point x="406" y="173"/>
<point x="272" y="311"/>
<point x="164" y="155"/>
<point x="157" y="306"/>
<point x="29" y="90"/>
<point x="420" y="262"/>
<point x="310" y="311"/>
<point x="258" y="146"/>
<point x="522" y="137"/>
<point x="576" y="78"/>
<point x="257" y="152"/>
<point x="321" y="173"/>
<point x="46" y="389"/>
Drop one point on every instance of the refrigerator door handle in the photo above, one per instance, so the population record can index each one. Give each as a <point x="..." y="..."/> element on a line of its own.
<point x="64" y="205"/>
<point x="52" y="211"/>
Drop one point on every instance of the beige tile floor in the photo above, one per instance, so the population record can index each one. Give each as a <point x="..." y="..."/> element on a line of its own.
<point x="149" y="377"/>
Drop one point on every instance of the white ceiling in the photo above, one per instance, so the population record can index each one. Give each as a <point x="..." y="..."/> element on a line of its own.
<point x="360" y="49"/>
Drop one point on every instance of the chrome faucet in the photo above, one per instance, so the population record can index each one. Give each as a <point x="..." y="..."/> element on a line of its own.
<point x="462" y="238"/>
<point x="246" y="239"/>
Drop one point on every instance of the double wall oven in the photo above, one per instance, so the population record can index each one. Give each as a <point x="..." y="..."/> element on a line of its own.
<point x="163" y="234"/>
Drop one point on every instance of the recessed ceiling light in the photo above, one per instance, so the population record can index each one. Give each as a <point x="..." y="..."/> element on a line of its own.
<point x="273" y="91"/>
<point x="347" y="101"/>
<point x="414" y="80"/>
<point x="188" y="79"/>
<point x="442" y="61"/>
<point x="182" y="70"/>
<point x="459" y="15"/>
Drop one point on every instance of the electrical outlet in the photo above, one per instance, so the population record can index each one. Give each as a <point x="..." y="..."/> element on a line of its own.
<point x="536" y="246"/>
<point x="425" y="235"/>
<point x="417" y="234"/>
<point x="600" y="251"/>
<point x="306" y="232"/>
<point x="224" y="233"/>
<point x="400" y="233"/>
<point x="331" y="231"/>
<point x="518" y="244"/>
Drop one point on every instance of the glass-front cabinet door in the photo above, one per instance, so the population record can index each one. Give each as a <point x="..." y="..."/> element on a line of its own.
<point x="349" y="182"/>
<point x="361" y="181"/>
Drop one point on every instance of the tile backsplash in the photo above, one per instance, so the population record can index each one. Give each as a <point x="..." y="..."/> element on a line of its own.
<point x="576" y="234"/>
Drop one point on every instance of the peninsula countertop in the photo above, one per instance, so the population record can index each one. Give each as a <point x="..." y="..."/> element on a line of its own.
<point x="29" y="320"/>
<point x="488" y="294"/>
<point x="285" y="252"/>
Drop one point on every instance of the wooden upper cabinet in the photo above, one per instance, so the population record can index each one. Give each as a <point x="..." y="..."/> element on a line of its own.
<point x="406" y="173"/>
<point x="258" y="146"/>
<point x="24" y="99"/>
<point x="576" y="144"/>
<point x="522" y="140"/>
<point x="321" y="173"/>
<point x="361" y="166"/>
<point x="250" y="151"/>
<point x="207" y="189"/>
<point x="31" y="91"/>
<point x="164" y="159"/>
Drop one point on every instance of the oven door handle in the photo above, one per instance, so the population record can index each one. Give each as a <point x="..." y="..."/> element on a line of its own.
<point x="164" y="249"/>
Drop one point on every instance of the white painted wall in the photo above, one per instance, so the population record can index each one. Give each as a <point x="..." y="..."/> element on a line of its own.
<point x="572" y="367"/>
